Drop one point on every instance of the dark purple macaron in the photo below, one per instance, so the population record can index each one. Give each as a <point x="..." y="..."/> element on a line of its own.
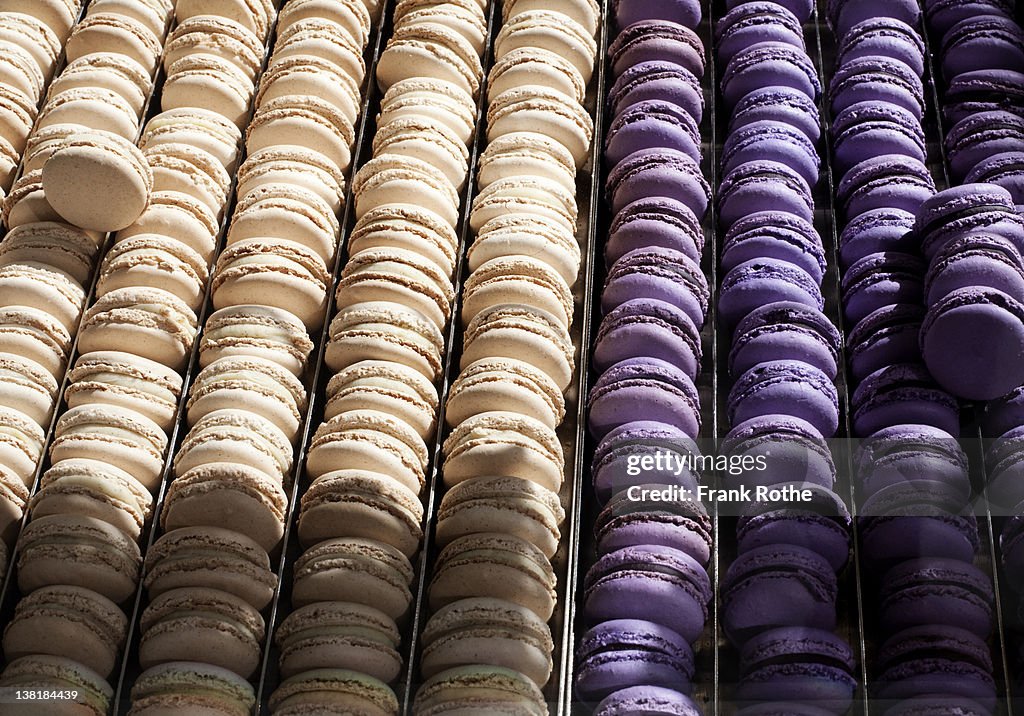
<point x="902" y="394"/>
<point x="975" y="260"/>
<point x="617" y="457"/>
<point x="649" y="700"/>
<point x="779" y="104"/>
<point x="768" y="140"/>
<point x="769" y="64"/>
<point x="978" y="137"/>
<point x="763" y="186"/>
<point x="944" y="14"/>
<point x="787" y="387"/>
<point x="657" y="41"/>
<point x="1011" y="548"/>
<point x="877" y="79"/>
<point x="652" y="583"/>
<point x="761" y="281"/>
<point x="621" y="653"/>
<point x="1004" y="413"/>
<point x="921" y="592"/>
<point x="887" y="182"/>
<point x="662" y="274"/>
<point x="683" y="12"/>
<point x="844" y="14"/>
<point x="651" y="124"/>
<point x="883" y="37"/>
<point x="644" y="389"/>
<point x="785" y="331"/>
<point x="967" y="209"/>
<point x="938" y="706"/>
<point x="869" y="129"/>
<point x="774" y="235"/>
<point x="660" y="80"/>
<point x="988" y="42"/>
<point x="798" y="664"/>
<point x="777" y="586"/>
<point x="886" y="336"/>
<point x="821" y="524"/>
<point x="909" y="454"/>
<point x="877" y="231"/>
<point x="1004" y="461"/>
<point x="633" y="518"/>
<point x="654" y="222"/>
<point x="935" y="659"/>
<point x="658" y="173"/>
<point x="647" y="327"/>
<point x="801" y="9"/>
<point x="983" y="91"/>
<point x="789" y="449"/>
<point x="753" y="22"/>
<point x="972" y="341"/>
<point x="1005" y="169"/>
<point x="879" y="280"/>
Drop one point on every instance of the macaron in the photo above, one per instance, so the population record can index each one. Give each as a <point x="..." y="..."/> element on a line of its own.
<point x="58" y="672"/>
<point x="239" y="436"/>
<point x="773" y="141"/>
<point x="880" y="280"/>
<point x="644" y="389"/>
<point x="621" y="446"/>
<point x="294" y="166"/>
<point x="750" y="23"/>
<point x="388" y="179"/>
<point x="514" y="384"/>
<point x="965" y="209"/>
<point x="511" y="636"/>
<point x="766" y="64"/>
<point x="659" y="274"/>
<point x="551" y="30"/>
<point x="324" y="38"/>
<point x="102" y="30"/>
<point x="943" y="14"/>
<point x="527" y="235"/>
<point x="877" y="79"/>
<point x="648" y="327"/>
<point x="529" y="195"/>
<point x="1001" y="170"/>
<point x="883" y="36"/>
<point x="407" y="227"/>
<point x="157" y="262"/>
<point x="657" y="80"/>
<point x="190" y="170"/>
<point x="59" y="246"/>
<point x="22" y="447"/>
<point x="655" y="40"/>
<point x="178" y="216"/>
<point x="339" y="635"/>
<point x="523" y="154"/>
<point x="356" y="570"/>
<point x="339" y="689"/>
<point x="780" y="104"/>
<point x="651" y="124"/>
<point x="658" y="173"/>
<point x="302" y="121"/>
<point x="585" y="12"/>
<point x="384" y="331"/>
<point x="539" y="109"/>
<point x="202" y="128"/>
<point x="647" y="697"/>
<point x="774" y="235"/>
<point x="215" y="34"/>
<point x="684" y="12"/>
<point x="388" y="387"/>
<point x="480" y="686"/>
<point x="655" y="222"/>
<point x="27" y="387"/>
<point x="437" y="99"/>
<point x="435" y="51"/>
<point x="312" y="76"/>
<point x="902" y="393"/>
<point x="423" y="139"/>
<point x="998" y="39"/>
<point x="889" y="182"/>
<point x="256" y="17"/>
<point x="843" y="15"/>
<point x="791" y="449"/>
<point x="876" y="231"/>
<point x="35" y="335"/>
<point x="885" y="336"/>
<point x="208" y="82"/>
<point x="977" y="137"/>
<point x="174" y="685"/>
<point x="758" y="282"/>
<point x="763" y="185"/>
<point x="909" y="453"/>
<point x="983" y="91"/>
<point x="40" y="287"/>
<point x="256" y="330"/>
<point x="785" y="386"/>
<point x="785" y="330"/>
<point x="867" y="129"/>
<point x="946" y="592"/>
<point x="975" y="260"/>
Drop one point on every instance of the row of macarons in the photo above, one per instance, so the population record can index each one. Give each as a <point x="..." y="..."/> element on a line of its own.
<point x="645" y="599"/>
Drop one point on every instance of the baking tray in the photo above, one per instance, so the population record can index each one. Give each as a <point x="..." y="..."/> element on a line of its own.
<point x="705" y="678"/>
<point x="129" y="666"/>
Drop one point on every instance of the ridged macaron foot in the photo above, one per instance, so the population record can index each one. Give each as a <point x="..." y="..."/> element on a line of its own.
<point x="62" y="247"/>
<point x="421" y="138"/>
<point x="302" y="121"/>
<point x="388" y="387"/>
<point x="254" y="16"/>
<point x="536" y="108"/>
<point x="874" y="231"/>
<point x="493" y="688"/>
<point x="353" y="15"/>
<point x="27" y="387"/>
<point x="337" y="689"/>
<point x="889" y="182"/>
<point x="763" y="185"/>
<point x="880" y="280"/>
<point x="214" y="34"/>
<point x="41" y="671"/>
<point x="767" y="64"/>
<point x="656" y="41"/>
<point x="886" y="36"/>
<point x="35" y="285"/>
<point x="22" y="444"/>
<point x="748" y="23"/>
<point x="644" y="389"/>
<point x="439" y="100"/>
<point x="780" y="104"/>
<point x="550" y="30"/>
<point x="238" y="436"/>
<point x="904" y="393"/>
<point x="646" y="697"/>
<point x="786" y="386"/>
<point x="657" y="79"/>
<point x="520" y="280"/>
<point x="975" y="260"/>
<point x="429" y="50"/>
<point x="785" y="330"/>
<point x="619" y="447"/>
<point x="514" y="384"/>
<point x="406" y="227"/>
<point x="758" y="282"/>
<point x="651" y="124"/>
<point x="291" y="212"/>
<point x="176" y="215"/>
<point x="384" y="331"/>
<point x="885" y="336"/>
<point x="526" y="154"/>
<point x="175" y="685"/>
<point x="791" y="448"/>
<point x="682" y="525"/>
<point x="657" y="273"/>
<point x="157" y="262"/>
<point x="926" y="591"/>
<point x="877" y="79"/>
<point x="843" y="14"/>
<point x="313" y="76"/>
<point x="648" y="328"/>
<point x="103" y="30"/>
<point x="256" y="330"/>
<point x="774" y="235"/>
<point x="529" y="65"/>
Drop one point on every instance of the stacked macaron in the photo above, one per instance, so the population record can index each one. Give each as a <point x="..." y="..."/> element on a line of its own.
<point x="360" y="518"/>
<point x="646" y="597"/>
<point x="246" y="406"/>
<point x="783" y="404"/>
<point x="31" y="38"/>
<point x="492" y="586"/>
<point x="83" y="141"/>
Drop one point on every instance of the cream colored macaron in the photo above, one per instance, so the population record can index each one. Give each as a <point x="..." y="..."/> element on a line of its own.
<point x="526" y="154"/>
<point x="27" y="387"/>
<point x="217" y="35"/>
<point x="384" y="331"/>
<point x="391" y="179"/>
<point x="302" y="121"/>
<point x="420" y="138"/>
<point x="255" y="16"/>
<point x="391" y="388"/>
<point x="41" y="287"/>
<point x="199" y="128"/>
<point x="545" y="111"/>
<point x="99" y="32"/>
<point x="550" y="30"/>
<point x="513" y="384"/>
<point x="433" y="50"/>
<point x="535" y="66"/>
<point x="352" y="15"/>
<point x="91" y="166"/>
<point x="325" y="39"/>
<point x="157" y="262"/>
<point x="208" y="82"/>
<point x="92" y="107"/>
<point x="154" y="14"/>
<point x="521" y="280"/>
<point x="405" y="226"/>
<point x="292" y="165"/>
<point x="187" y="169"/>
<point x="435" y="100"/>
<point x="311" y="76"/>
<point x="259" y="331"/>
<point x="290" y="212"/>
<point x="177" y="216"/>
<point x="108" y="70"/>
<point x="527" y="235"/>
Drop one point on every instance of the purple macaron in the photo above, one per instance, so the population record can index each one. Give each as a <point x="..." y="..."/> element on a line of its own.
<point x="753" y="22"/>
<point x="921" y="592"/>
<point x="647" y="327"/>
<point x="658" y="173"/>
<point x="768" y="140"/>
<point x="648" y="700"/>
<point x="967" y="209"/>
<point x="1004" y="461"/>
<point x="633" y="520"/>
<point x="902" y="394"/>
<point x="651" y="124"/>
<point x="657" y="41"/>
<point x="801" y="9"/>
<point x="657" y="80"/>
<point x="798" y="664"/>
<point x="988" y="42"/>
<point x="789" y="387"/>
<point x="774" y="235"/>
<point x="761" y="281"/>
<point x="944" y="14"/>
<point x="844" y="14"/>
<point x="972" y="341"/>
<point x="621" y="653"/>
<point x="886" y="336"/>
<point x="779" y="104"/>
<point x="1004" y="413"/>
<point x="644" y="389"/>
<point x="877" y="79"/>
<point x="983" y="91"/>
<point x="614" y="457"/>
<point x="652" y="583"/>
<point x="791" y="449"/>
<point x="885" y="182"/>
<point x="908" y="454"/>
<point x="975" y="260"/>
<point x="660" y="274"/>
<point x="883" y="37"/>
<point x="877" y="231"/>
<point x="777" y="586"/>
<point x="938" y="706"/>
<point x="763" y="186"/>
<point x="978" y="137"/>
<point x="785" y="331"/>
<point x="654" y="222"/>
<point x="869" y="129"/>
<point x="1011" y="548"/>
<point x="769" y="64"/>
<point x="879" y="280"/>
<point x="1005" y="169"/>
<point x="683" y="12"/>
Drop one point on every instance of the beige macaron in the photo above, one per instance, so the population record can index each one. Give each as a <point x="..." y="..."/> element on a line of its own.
<point x="526" y="154"/>
<point x="177" y="216"/>
<point x="430" y="49"/>
<point x="58" y="15"/>
<point x="256" y="330"/>
<point x="550" y="30"/>
<point x="515" y="385"/>
<point x="126" y="380"/>
<point x="421" y="138"/>
<point x="256" y="16"/>
<point x="388" y="387"/>
<point x="239" y="436"/>
<point x="352" y="15"/>
<point x="278" y="272"/>
<point x="528" y="235"/>
<point x="43" y="288"/>
<point x="292" y="165"/>
<point x="311" y="76"/>
<point x="435" y="100"/>
<point x="59" y="246"/>
<point x="149" y="322"/>
<point x="93" y="107"/>
<point x="89" y="165"/>
<point x="10" y="158"/>
<point x="218" y="35"/>
<point x="99" y="32"/>
<point x="323" y="38"/>
<point x="525" y="195"/>
<point x="384" y="331"/>
<point x="302" y="121"/>
<point x="27" y="387"/>
<point x="521" y="280"/>
<point x="545" y="111"/>
<point x="32" y="33"/>
<point x="404" y="226"/>
<point x="197" y="127"/>
<point x="585" y="12"/>
<point x="289" y="212"/>
<point x="154" y="14"/>
<point x="393" y="179"/>
<point x="253" y="384"/>
<point x="17" y="115"/>
<point x="21" y="443"/>
<point x="19" y="71"/>
<point x="187" y="169"/>
<point x="462" y="16"/>
<point x="108" y="70"/>
<point x="34" y="334"/>
<point x="209" y="82"/>
<point x="530" y="65"/>
<point x="157" y="262"/>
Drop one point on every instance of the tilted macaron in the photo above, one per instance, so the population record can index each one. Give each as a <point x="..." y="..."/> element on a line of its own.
<point x="648" y="327"/>
<point x="781" y="104"/>
<point x="110" y="70"/>
<point x="256" y="330"/>
<point x="525" y="195"/>
<point x="435" y="99"/>
<point x="322" y="38"/>
<point x="201" y="128"/>
<point x="529" y="65"/>
<point x="211" y="83"/>
<point x="786" y="386"/>
<point x="355" y="16"/>
<point x="311" y="76"/>
<point x="769" y="64"/>
<point x="426" y="140"/>
<point x="103" y="30"/>
<point x="60" y="246"/>
<point x="902" y="393"/>
<point x="429" y="50"/>
<point x="190" y="170"/>
<point x="211" y="33"/>
<point x="58" y="15"/>
<point x="21" y="445"/>
<point x="405" y="226"/>
<point x="35" y="335"/>
<point x="656" y="173"/>
<point x="255" y="16"/>
<point x="752" y="22"/>
<point x="390" y="179"/>
<point x="517" y="280"/>
<point x="155" y="14"/>
<point x="550" y="30"/>
<point x="127" y="380"/>
<point x="525" y="154"/>
<point x="643" y="388"/>
<point x="303" y="121"/>
<point x="785" y="330"/>
<point x="27" y="387"/>
<point x="13" y="500"/>
<point x="657" y="41"/>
